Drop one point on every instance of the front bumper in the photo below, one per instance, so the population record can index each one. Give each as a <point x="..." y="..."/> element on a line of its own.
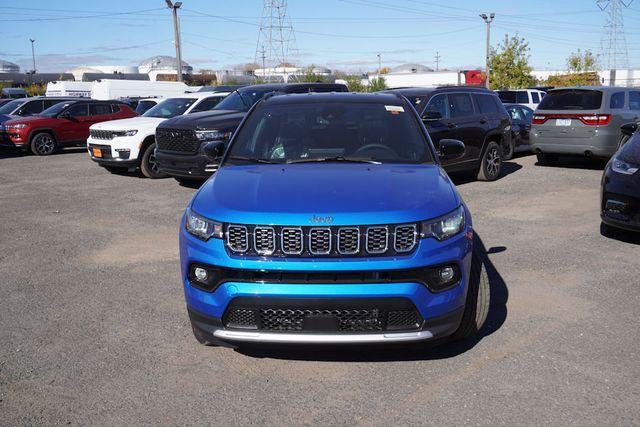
<point x="440" y="312"/>
<point x="620" y="200"/>
<point x="197" y="166"/>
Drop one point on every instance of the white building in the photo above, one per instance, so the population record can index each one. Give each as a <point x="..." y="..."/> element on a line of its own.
<point x="288" y="74"/>
<point x="8" y="67"/>
<point x="162" y="64"/>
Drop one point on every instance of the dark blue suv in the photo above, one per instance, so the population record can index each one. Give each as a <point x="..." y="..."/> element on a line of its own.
<point x="331" y="221"/>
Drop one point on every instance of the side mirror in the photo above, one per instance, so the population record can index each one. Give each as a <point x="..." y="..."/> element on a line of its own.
<point x="214" y="149"/>
<point x="451" y="149"/>
<point x="629" y="128"/>
<point x="431" y="115"/>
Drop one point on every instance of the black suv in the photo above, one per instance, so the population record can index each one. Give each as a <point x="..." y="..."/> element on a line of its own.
<point x="473" y="115"/>
<point x="180" y="140"/>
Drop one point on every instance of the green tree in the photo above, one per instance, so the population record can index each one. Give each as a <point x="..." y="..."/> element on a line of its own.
<point x="509" y="64"/>
<point x="376" y="85"/>
<point x="580" y="62"/>
<point x="354" y="83"/>
<point x="309" y="76"/>
<point x="581" y="71"/>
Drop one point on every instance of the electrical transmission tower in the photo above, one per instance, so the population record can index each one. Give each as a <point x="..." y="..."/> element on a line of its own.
<point x="276" y="38"/>
<point x="614" y="51"/>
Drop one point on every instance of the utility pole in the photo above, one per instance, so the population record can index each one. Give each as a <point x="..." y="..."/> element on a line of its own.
<point x="379" y="64"/>
<point x="437" y="60"/>
<point x="613" y="46"/>
<point x="176" y="30"/>
<point x="33" y="56"/>
<point x="263" y="56"/>
<point x="488" y="20"/>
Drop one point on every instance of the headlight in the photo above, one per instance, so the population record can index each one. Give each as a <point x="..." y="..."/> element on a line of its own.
<point x="124" y="132"/>
<point x="201" y="227"/>
<point x="212" y="135"/>
<point x="623" y="167"/>
<point x="444" y="227"/>
<point x="18" y="126"/>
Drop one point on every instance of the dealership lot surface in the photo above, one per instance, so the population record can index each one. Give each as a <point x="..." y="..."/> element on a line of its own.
<point x="94" y="328"/>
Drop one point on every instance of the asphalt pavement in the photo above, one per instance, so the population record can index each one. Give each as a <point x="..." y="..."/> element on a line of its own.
<point x="93" y="326"/>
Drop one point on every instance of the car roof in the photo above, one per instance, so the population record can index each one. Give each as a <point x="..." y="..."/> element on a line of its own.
<point x="284" y="87"/>
<point x="343" y="97"/>
<point x="601" y="88"/>
<point x="429" y="90"/>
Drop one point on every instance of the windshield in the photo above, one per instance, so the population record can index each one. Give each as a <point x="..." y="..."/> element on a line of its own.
<point x="242" y="101"/>
<point x="10" y="106"/>
<point x="572" y="99"/>
<point x="330" y="131"/>
<point x="56" y="109"/>
<point x="170" y="108"/>
<point x="144" y="106"/>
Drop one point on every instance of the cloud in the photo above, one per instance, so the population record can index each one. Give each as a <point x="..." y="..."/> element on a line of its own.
<point x="54" y="63"/>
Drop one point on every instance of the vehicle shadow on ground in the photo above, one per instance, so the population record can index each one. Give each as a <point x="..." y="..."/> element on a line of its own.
<point x="440" y="349"/>
<point x="13" y="153"/>
<point x="620" y="235"/>
<point x="460" y="178"/>
<point x="577" y="163"/>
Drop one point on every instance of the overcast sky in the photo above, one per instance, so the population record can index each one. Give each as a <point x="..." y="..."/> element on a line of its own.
<point x="340" y="34"/>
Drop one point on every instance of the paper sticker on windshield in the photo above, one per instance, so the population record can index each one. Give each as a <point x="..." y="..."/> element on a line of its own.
<point x="394" y="109"/>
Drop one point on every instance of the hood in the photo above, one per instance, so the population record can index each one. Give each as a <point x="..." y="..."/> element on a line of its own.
<point x="129" y="124"/>
<point x="351" y="194"/>
<point x="215" y="119"/>
<point x="7" y="117"/>
<point x="27" y="119"/>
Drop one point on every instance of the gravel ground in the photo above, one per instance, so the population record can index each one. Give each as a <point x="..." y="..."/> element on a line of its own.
<point x="94" y="328"/>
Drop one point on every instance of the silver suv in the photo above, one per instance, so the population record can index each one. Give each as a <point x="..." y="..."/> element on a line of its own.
<point x="582" y="121"/>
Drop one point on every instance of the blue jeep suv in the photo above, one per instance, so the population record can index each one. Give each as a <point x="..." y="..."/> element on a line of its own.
<point x="331" y="221"/>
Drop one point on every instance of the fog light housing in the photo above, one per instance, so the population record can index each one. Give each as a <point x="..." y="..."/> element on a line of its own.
<point x="442" y="277"/>
<point x="204" y="277"/>
<point x="123" y="153"/>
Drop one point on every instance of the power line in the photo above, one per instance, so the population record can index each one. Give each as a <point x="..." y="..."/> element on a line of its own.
<point x="62" y="18"/>
<point x="614" y="42"/>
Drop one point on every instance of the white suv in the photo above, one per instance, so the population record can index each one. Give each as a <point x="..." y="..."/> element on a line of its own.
<point x="529" y="97"/>
<point x="130" y="143"/>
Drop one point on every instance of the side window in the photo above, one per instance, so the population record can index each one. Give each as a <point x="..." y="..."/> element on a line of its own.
<point x="438" y="103"/>
<point x="461" y="105"/>
<point x="79" y="110"/>
<point x="50" y="103"/>
<point x="30" y="108"/>
<point x="207" y="104"/>
<point x="617" y="100"/>
<point x="486" y="104"/>
<point x="535" y="98"/>
<point x="515" y="113"/>
<point x="526" y="112"/>
<point x="634" y="100"/>
<point x="99" y="109"/>
<point x="522" y="97"/>
<point x="115" y="108"/>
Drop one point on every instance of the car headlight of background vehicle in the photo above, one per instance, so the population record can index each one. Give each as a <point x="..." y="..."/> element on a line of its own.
<point x="623" y="167"/>
<point x="124" y="132"/>
<point x="212" y="135"/>
<point x="444" y="227"/>
<point x="201" y="227"/>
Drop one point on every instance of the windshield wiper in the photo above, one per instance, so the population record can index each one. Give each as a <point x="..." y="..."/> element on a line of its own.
<point x="335" y="159"/>
<point x="250" y="159"/>
<point x="243" y="100"/>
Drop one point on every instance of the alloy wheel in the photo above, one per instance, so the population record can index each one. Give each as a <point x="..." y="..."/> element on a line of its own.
<point x="44" y="144"/>
<point x="494" y="160"/>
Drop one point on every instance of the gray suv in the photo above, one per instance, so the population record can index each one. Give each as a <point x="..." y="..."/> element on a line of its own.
<point x="582" y="121"/>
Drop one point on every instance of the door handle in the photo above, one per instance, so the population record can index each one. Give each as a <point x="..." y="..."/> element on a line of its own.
<point x="483" y="121"/>
<point x="451" y="125"/>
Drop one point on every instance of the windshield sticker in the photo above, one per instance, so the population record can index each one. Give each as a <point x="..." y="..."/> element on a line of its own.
<point x="394" y="109"/>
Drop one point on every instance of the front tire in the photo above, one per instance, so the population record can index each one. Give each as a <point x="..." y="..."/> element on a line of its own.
<point x="491" y="164"/>
<point x="148" y="164"/>
<point x="43" y="144"/>
<point x="476" y="308"/>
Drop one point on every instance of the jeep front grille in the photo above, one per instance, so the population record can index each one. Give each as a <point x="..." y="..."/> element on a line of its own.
<point x="279" y="241"/>
<point x="100" y="134"/>
<point x="179" y="140"/>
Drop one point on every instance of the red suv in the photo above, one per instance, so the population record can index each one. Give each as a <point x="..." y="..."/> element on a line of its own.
<point x="64" y="124"/>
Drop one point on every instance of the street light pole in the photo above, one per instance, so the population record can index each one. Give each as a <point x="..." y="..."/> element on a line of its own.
<point x="176" y="34"/>
<point x="33" y="56"/>
<point x="379" y="64"/>
<point x="487" y="20"/>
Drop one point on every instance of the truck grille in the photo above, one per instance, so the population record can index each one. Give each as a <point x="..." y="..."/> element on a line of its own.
<point x="280" y="241"/>
<point x="323" y="316"/>
<point x="179" y="140"/>
<point x="100" y="134"/>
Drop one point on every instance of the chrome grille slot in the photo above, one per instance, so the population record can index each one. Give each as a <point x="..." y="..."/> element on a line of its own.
<point x="264" y="239"/>
<point x="237" y="238"/>
<point x="101" y="134"/>
<point x="348" y="240"/>
<point x="404" y="238"/>
<point x="377" y="240"/>
<point x="291" y="240"/>
<point x="320" y="241"/>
